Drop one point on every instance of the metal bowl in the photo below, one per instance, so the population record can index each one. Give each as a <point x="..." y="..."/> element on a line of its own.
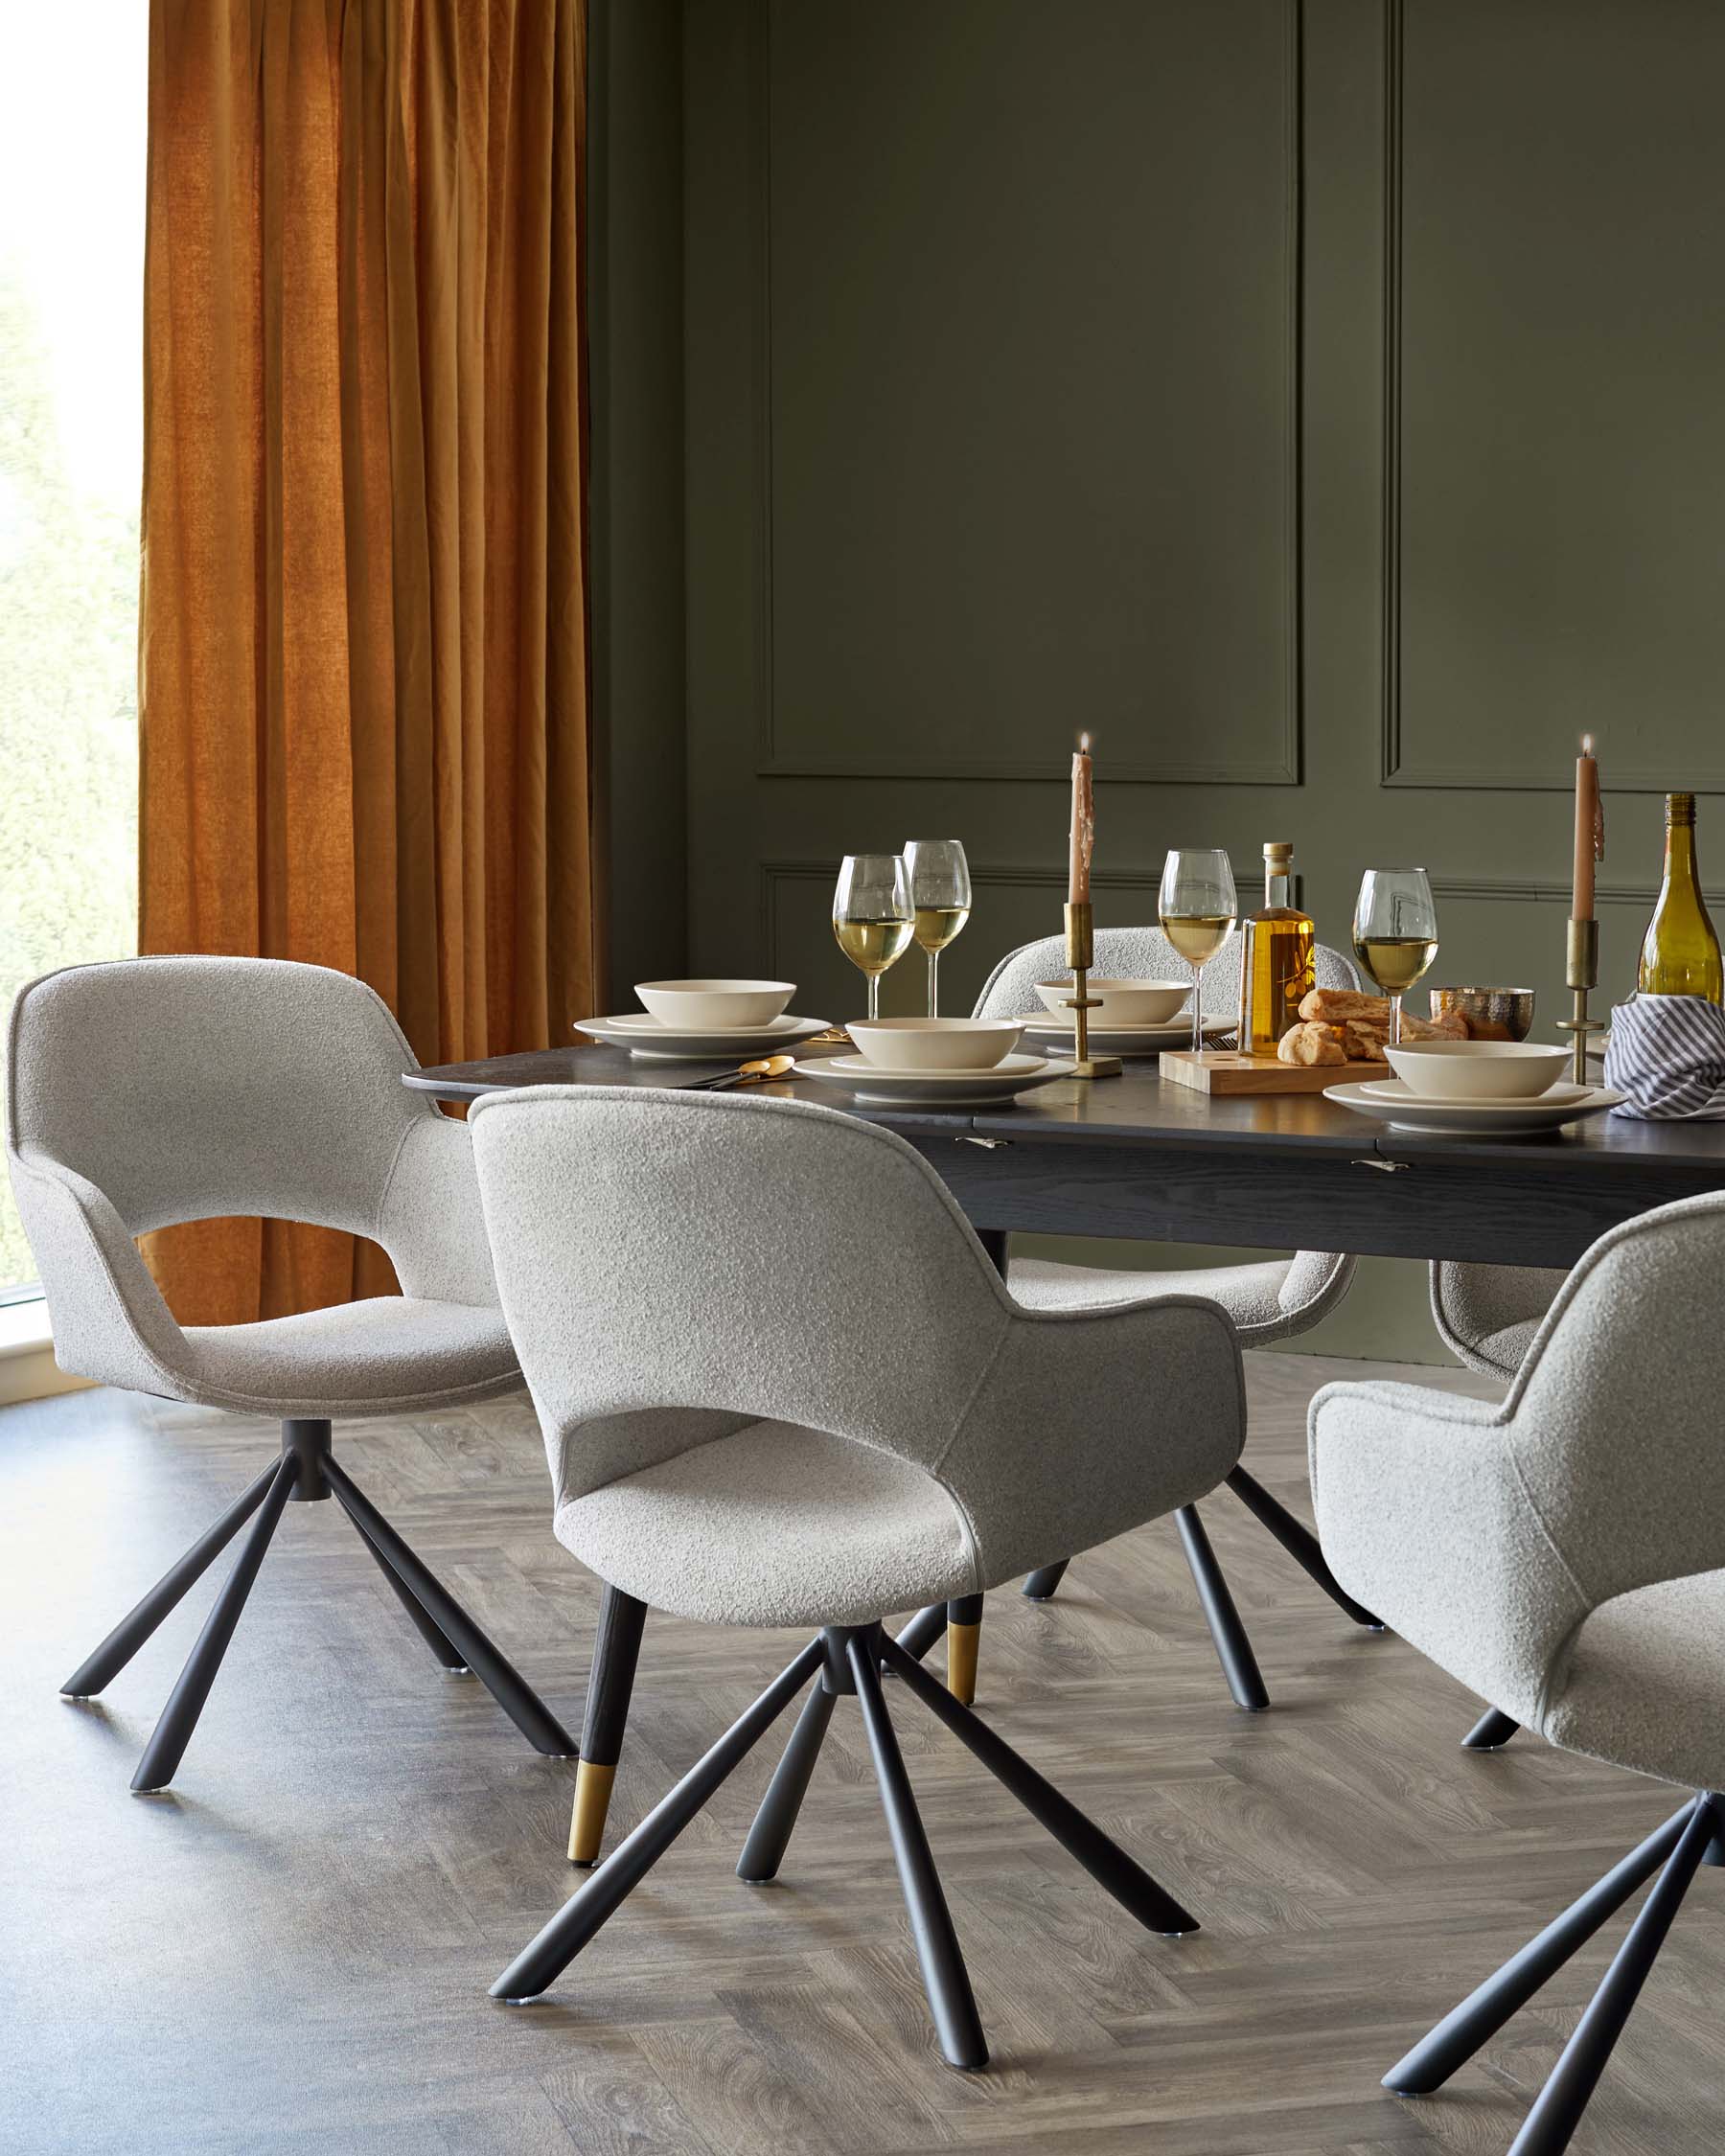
<point x="1511" y="1008"/>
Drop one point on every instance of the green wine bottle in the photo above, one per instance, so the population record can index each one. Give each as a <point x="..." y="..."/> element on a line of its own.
<point x="1680" y="952"/>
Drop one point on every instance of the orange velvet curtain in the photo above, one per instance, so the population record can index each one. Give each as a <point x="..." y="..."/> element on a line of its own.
<point x="363" y="661"/>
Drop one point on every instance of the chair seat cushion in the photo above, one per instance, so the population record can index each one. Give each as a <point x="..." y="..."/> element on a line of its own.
<point x="1250" y="1293"/>
<point x="1643" y="1684"/>
<point x="776" y="1524"/>
<point x="391" y="1354"/>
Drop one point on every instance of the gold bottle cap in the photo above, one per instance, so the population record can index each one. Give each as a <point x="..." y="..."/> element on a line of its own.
<point x="1278" y="849"/>
<point x="1680" y="808"/>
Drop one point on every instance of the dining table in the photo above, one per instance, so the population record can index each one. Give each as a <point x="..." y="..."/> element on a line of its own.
<point x="1135" y="1157"/>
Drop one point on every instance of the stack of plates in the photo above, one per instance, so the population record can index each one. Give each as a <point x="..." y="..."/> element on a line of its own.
<point x="1392" y="1101"/>
<point x="871" y="1084"/>
<point x="1056" y="1033"/>
<point x="652" y="1041"/>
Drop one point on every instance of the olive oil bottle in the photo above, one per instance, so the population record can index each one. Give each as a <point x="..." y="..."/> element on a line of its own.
<point x="1680" y="953"/>
<point x="1275" y="957"/>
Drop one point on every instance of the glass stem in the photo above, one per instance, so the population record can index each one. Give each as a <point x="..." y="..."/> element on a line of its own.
<point x="934" y="984"/>
<point x="1396" y="1021"/>
<point x="1197" y="1012"/>
<point x="874" y="995"/>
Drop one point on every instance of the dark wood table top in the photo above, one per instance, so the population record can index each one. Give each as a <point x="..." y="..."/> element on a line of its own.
<point x="1137" y="1158"/>
<point x="1138" y="1109"/>
<point x="593" y="1063"/>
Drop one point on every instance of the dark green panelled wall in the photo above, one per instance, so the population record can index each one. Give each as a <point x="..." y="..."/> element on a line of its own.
<point x="1320" y="403"/>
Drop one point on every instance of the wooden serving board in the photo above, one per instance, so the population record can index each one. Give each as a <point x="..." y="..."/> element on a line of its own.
<point x="1223" y="1070"/>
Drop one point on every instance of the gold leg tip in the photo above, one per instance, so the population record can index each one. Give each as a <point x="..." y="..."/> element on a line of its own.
<point x="586" y="1818"/>
<point x="963" y="1642"/>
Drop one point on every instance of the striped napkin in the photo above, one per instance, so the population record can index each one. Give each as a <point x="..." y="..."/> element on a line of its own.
<point x="1667" y="1053"/>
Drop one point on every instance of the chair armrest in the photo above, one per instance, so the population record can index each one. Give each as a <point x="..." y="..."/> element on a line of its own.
<point x="429" y="1218"/>
<point x="1316" y="1281"/>
<point x="108" y="1317"/>
<point x="1088" y="1423"/>
<point x="1425" y="1517"/>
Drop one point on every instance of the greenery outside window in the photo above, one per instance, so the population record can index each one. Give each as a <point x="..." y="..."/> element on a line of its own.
<point x="73" y="98"/>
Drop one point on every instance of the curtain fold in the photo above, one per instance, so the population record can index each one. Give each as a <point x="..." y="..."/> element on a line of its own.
<point x="362" y="650"/>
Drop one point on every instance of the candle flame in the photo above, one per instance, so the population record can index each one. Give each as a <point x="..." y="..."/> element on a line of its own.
<point x="1587" y="746"/>
<point x="1084" y="741"/>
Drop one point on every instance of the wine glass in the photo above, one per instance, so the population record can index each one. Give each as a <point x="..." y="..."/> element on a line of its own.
<point x="1396" y="932"/>
<point x="872" y="917"/>
<point x="940" y="892"/>
<point x="1198" y="906"/>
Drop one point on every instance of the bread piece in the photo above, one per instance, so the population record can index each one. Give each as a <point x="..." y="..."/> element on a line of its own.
<point x="1335" y="1006"/>
<point x="1310" y="1045"/>
<point x="1363" y="1044"/>
<point x="1452" y="1027"/>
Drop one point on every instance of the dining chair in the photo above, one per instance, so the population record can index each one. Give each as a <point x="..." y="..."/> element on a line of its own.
<point x="1270" y="1299"/>
<point x="1486" y="1315"/>
<point x="1564" y="1553"/>
<point x="155" y="1090"/>
<point x="782" y="1385"/>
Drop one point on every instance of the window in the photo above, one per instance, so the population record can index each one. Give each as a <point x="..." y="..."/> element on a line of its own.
<point x="73" y="101"/>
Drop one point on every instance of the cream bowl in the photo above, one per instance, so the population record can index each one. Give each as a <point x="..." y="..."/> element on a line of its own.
<point x="1478" y="1069"/>
<point x="922" y="1043"/>
<point x="713" y="1005"/>
<point x="1124" y="1002"/>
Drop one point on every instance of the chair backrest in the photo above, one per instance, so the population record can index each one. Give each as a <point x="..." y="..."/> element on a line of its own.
<point x="671" y="1264"/>
<point x="186" y="1088"/>
<point x="1616" y="1412"/>
<point x="1136" y="954"/>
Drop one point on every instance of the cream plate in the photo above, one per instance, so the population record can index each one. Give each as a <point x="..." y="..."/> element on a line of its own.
<point x="1554" y="1096"/>
<point x="653" y="1041"/>
<point x="1390" y="1101"/>
<point x="870" y="1084"/>
<point x="1125" y="1040"/>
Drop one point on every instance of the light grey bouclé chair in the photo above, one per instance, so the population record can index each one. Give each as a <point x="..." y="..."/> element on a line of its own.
<point x="161" y="1089"/>
<point x="1269" y="1300"/>
<point x="1564" y="1554"/>
<point x="781" y="1383"/>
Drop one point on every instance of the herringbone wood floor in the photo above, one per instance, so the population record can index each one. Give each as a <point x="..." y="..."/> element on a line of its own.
<point x="289" y="1955"/>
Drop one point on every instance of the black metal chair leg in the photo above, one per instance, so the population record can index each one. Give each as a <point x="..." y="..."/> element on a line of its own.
<point x="1299" y="1543"/>
<point x="1239" y="1664"/>
<point x="923" y="1629"/>
<point x="1041" y="1585"/>
<point x="1484" y="2011"/>
<point x="1103" y="1858"/>
<point x="447" y="1657"/>
<point x="100" y="1669"/>
<point x="775" y="1822"/>
<point x="1490" y="1732"/>
<point x="173" y="1732"/>
<point x="964" y="1634"/>
<point x="945" y="1978"/>
<point x="500" y="1677"/>
<point x="542" y="1963"/>
<point x="617" y="1648"/>
<point x="1557" y="2109"/>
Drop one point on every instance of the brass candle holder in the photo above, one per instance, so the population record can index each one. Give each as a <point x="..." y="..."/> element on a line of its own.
<point x="1581" y="974"/>
<point x="1080" y="952"/>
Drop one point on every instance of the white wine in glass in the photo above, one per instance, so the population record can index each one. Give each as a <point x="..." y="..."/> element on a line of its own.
<point x="1396" y="932"/>
<point x="940" y="893"/>
<point x="1198" y="907"/>
<point x="872" y="917"/>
